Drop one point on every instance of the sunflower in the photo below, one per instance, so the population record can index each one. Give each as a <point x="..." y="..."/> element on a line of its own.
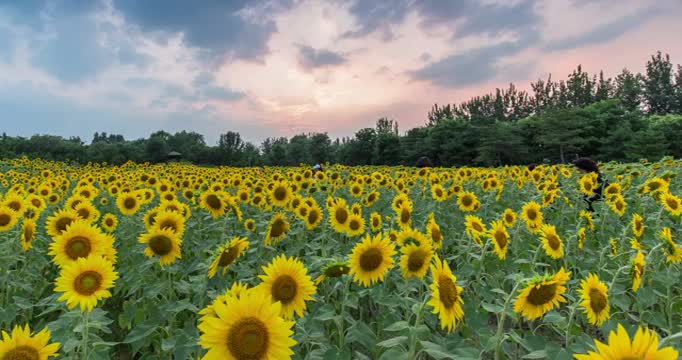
<point x="531" y="214"/>
<point x="247" y="327"/>
<point x="163" y="243"/>
<point x="467" y="201"/>
<point x="170" y="220"/>
<point x="637" y="270"/>
<point x="375" y="222"/>
<point x="371" y="259"/>
<point x="237" y="290"/>
<point x="109" y="222"/>
<point x="446" y="298"/>
<point x="8" y="218"/>
<point x="314" y="216"/>
<point x="287" y="281"/>
<point x="250" y="225"/>
<point x="595" y="299"/>
<point x="614" y="246"/>
<point x="438" y="193"/>
<point x="28" y="233"/>
<point x="542" y="294"/>
<point x="86" y="281"/>
<point x="415" y="259"/>
<point x="213" y="202"/>
<point x="618" y="205"/>
<point x="80" y="240"/>
<point x="356" y="225"/>
<point x="280" y="195"/>
<point x="57" y="223"/>
<point x="338" y="216"/>
<point x="227" y="255"/>
<point x="411" y="236"/>
<point x="15" y="202"/>
<point x="333" y="270"/>
<point x="433" y="232"/>
<point x="588" y="218"/>
<point x="128" y="203"/>
<point x="637" y="225"/>
<point x="672" y="203"/>
<point x="277" y="228"/>
<point x="87" y="211"/>
<point x="551" y="241"/>
<point x="500" y="238"/>
<point x="404" y="215"/>
<point x="673" y="253"/>
<point x="581" y="238"/>
<point x="643" y="346"/>
<point x="23" y="345"/>
<point x="587" y="184"/>
<point x="474" y="228"/>
<point x="509" y="217"/>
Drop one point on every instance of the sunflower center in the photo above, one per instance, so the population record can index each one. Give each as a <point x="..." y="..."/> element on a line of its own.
<point x="28" y="234"/>
<point x="638" y="226"/>
<point x="313" y="216"/>
<point x="447" y="291"/>
<point x="5" y="219"/>
<point x="169" y="224"/>
<point x="404" y="215"/>
<point x="336" y="271"/>
<point x="436" y="236"/>
<point x="467" y="200"/>
<point x="439" y="192"/>
<point x="109" y="222"/>
<point x="284" y="289"/>
<point x="354" y="225"/>
<point x="598" y="300"/>
<point x="477" y="227"/>
<point x="542" y="294"/>
<point x="280" y="193"/>
<point x="553" y="241"/>
<point x="83" y="213"/>
<point x="228" y="256"/>
<point x="341" y="215"/>
<point x="501" y="239"/>
<point x="371" y="259"/>
<point x="672" y="203"/>
<point x="277" y="228"/>
<point x="303" y="211"/>
<point x="78" y="247"/>
<point x="213" y="202"/>
<point x="531" y="214"/>
<point x="62" y="223"/>
<point x="375" y="222"/>
<point x="87" y="282"/>
<point x="416" y="260"/>
<point x="129" y="203"/>
<point x="14" y="205"/>
<point x="23" y="352"/>
<point x="248" y="339"/>
<point x="161" y="245"/>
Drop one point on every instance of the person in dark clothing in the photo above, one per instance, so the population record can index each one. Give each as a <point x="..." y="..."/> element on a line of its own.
<point x="532" y="166"/>
<point x="587" y="165"/>
<point x="424" y="162"/>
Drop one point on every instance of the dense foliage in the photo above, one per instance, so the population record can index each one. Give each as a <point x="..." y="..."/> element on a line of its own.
<point x="165" y="261"/>
<point x="630" y="117"/>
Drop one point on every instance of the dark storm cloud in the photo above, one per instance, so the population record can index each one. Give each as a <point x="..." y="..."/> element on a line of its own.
<point x="312" y="58"/>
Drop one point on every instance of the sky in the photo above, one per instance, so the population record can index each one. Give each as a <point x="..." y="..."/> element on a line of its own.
<point x="268" y="68"/>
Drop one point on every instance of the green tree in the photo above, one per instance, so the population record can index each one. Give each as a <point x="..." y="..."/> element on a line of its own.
<point x="658" y="84"/>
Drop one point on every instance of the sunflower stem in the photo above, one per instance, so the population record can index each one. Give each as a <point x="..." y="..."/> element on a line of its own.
<point x="500" y="323"/>
<point x="413" y="334"/>
<point x="570" y="323"/>
<point x="86" y="335"/>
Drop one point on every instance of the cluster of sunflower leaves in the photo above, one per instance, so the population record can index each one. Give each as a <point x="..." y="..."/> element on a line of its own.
<point x="175" y="261"/>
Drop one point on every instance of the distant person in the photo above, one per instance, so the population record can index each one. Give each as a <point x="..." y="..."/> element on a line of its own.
<point x="587" y="165"/>
<point x="424" y="162"/>
<point x="317" y="168"/>
<point x="532" y="166"/>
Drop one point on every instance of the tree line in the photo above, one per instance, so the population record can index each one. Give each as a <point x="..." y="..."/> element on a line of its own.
<point x="626" y="118"/>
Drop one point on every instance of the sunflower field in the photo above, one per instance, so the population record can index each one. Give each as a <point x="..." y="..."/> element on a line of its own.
<point x="175" y="261"/>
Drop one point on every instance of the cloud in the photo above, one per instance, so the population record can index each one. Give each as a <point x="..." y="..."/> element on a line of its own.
<point x="218" y="27"/>
<point x="220" y="93"/>
<point x="371" y="16"/>
<point x="74" y="52"/>
<point x="312" y="58"/>
<point x="605" y="32"/>
<point x="6" y="44"/>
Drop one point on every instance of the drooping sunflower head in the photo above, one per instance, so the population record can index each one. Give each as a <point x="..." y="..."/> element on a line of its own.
<point x="334" y="269"/>
<point x="86" y="281"/>
<point x="28" y="233"/>
<point x="227" y="255"/>
<point x="371" y="259"/>
<point x="287" y="281"/>
<point x="277" y="228"/>
<point x="415" y="259"/>
<point x="541" y="294"/>
<point x="446" y="298"/>
<point x="637" y="225"/>
<point x="595" y="299"/>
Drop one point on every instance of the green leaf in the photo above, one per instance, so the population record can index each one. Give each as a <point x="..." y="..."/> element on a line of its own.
<point x="392" y="342"/>
<point x="538" y="354"/>
<point x="493" y="308"/>
<point x="398" y="326"/>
